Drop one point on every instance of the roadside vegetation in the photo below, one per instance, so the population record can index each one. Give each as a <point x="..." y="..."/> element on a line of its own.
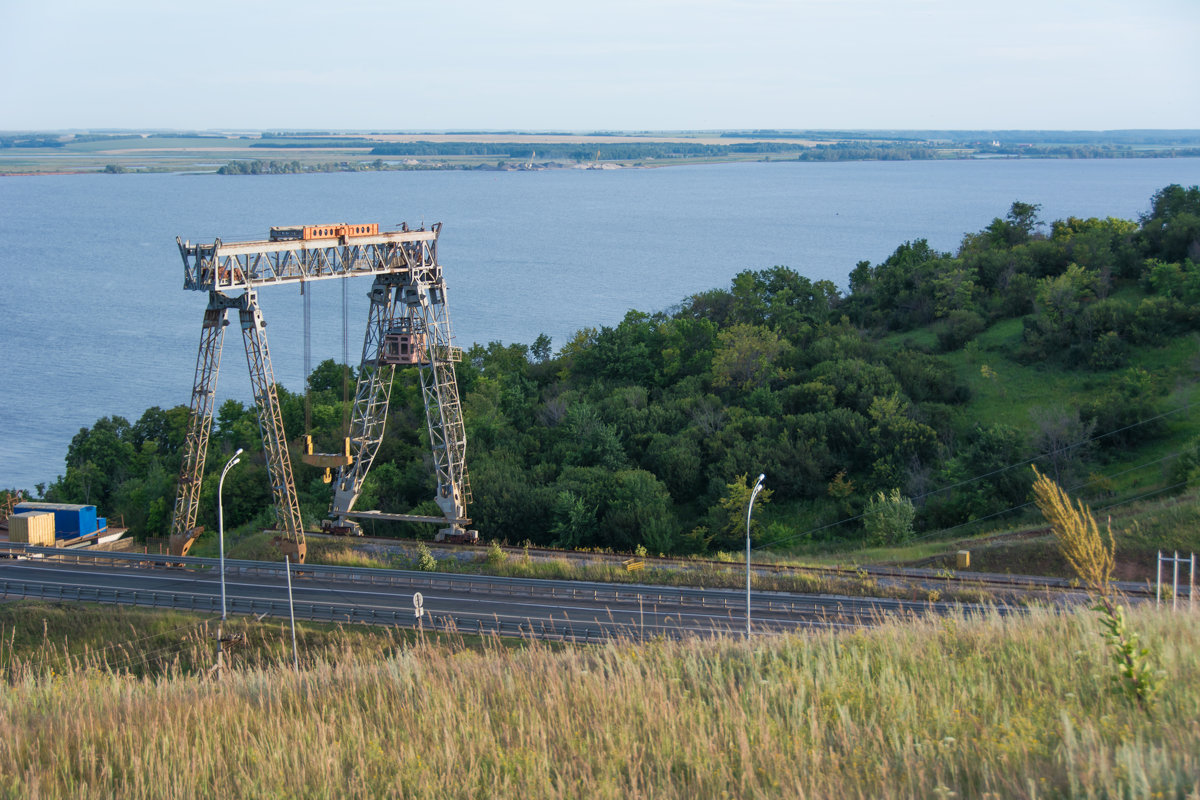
<point x="987" y="706"/>
<point x="727" y="572"/>
<point x="906" y="409"/>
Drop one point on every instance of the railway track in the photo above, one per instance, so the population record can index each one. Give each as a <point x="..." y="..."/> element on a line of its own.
<point x="995" y="581"/>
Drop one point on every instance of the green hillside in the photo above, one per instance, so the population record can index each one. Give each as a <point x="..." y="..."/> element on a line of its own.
<point x="909" y="406"/>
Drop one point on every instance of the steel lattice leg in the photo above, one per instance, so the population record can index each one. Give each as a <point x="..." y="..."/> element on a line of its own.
<point x="195" y="448"/>
<point x="419" y="295"/>
<point x="372" y="396"/>
<point x="443" y="410"/>
<point x="270" y="420"/>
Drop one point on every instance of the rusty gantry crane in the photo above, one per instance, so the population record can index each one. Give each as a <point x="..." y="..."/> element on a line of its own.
<point x="407" y="324"/>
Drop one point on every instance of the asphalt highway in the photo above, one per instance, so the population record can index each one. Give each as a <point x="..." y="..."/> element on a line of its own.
<point x="568" y="610"/>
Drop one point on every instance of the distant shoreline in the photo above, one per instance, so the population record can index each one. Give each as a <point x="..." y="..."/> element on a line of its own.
<point x="38" y="154"/>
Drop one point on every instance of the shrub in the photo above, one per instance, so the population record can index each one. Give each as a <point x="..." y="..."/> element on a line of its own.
<point x="959" y="328"/>
<point x="888" y="519"/>
<point x="1109" y="352"/>
<point x="495" y="555"/>
<point x="425" y="560"/>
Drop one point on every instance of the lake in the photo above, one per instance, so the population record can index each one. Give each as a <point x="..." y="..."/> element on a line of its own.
<point x="96" y="322"/>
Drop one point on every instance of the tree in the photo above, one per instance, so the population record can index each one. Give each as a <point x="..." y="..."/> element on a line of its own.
<point x="745" y="356"/>
<point x="1128" y="411"/>
<point x="677" y="461"/>
<point x="729" y="515"/>
<point x="640" y="513"/>
<point x="589" y="441"/>
<point x="329" y="376"/>
<point x="1017" y="227"/>
<point x="1060" y="302"/>
<point x="856" y="381"/>
<point x="1063" y="440"/>
<point x="573" y="522"/>
<point x="541" y="348"/>
<point x="1172" y="229"/>
<point x="897" y="440"/>
<point x="1023" y="217"/>
<point x="98" y="460"/>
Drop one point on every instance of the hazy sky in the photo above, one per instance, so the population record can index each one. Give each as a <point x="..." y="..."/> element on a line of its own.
<point x="617" y="64"/>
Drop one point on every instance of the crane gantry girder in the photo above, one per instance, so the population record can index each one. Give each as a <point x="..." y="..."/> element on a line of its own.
<point x="408" y="290"/>
<point x="231" y="266"/>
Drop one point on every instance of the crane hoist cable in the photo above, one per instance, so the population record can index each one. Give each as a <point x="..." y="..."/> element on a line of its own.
<point x="307" y="454"/>
<point x="346" y="358"/>
<point x="307" y="295"/>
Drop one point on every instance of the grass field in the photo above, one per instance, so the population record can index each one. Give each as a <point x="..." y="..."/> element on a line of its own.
<point x="957" y="707"/>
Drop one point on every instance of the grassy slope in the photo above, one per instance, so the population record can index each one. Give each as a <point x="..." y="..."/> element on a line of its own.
<point x="1009" y="397"/>
<point x="1015" y="707"/>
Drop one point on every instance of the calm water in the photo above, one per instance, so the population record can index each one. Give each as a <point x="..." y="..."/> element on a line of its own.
<point x="96" y="323"/>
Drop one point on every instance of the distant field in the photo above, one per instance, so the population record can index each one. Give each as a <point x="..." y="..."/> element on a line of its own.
<point x="533" y="138"/>
<point x="188" y="153"/>
<point x="335" y="151"/>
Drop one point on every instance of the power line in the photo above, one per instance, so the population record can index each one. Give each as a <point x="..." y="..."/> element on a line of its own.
<point x="1076" y="487"/>
<point x="1063" y="449"/>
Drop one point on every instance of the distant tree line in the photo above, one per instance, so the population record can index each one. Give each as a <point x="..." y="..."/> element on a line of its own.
<point x="31" y="140"/>
<point x="1157" y="138"/>
<point x="604" y="151"/>
<point x="259" y="167"/>
<point x="314" y="144"/>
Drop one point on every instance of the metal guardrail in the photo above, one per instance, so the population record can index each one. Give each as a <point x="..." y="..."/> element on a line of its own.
<point x="492" y="584"/>
<point x="326" y="612"/>
<point x="829" y="608"/>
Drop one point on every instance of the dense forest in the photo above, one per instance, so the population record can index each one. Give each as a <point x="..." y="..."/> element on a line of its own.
<point x="877" y="414"/>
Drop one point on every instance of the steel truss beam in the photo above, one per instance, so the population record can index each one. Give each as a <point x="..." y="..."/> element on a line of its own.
<point x="232" y="266"/>
<point x="372" y="394"/>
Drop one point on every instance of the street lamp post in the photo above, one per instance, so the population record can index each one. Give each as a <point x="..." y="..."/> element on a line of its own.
<point x="233" y="461"/>
<point x="753" y="494"/>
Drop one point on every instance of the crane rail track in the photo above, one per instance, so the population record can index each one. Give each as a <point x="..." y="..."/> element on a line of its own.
<point x="966" y="579"/>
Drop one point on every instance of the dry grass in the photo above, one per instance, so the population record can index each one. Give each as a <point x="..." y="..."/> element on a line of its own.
<point x="989" y="706"/>
<point x="1079" y="538"/>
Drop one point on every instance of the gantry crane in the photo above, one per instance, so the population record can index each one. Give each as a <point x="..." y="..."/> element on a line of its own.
<point x="407" y="324"/>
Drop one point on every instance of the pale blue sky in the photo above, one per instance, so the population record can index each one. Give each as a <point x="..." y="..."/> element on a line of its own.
<point x="619" y="64"/>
